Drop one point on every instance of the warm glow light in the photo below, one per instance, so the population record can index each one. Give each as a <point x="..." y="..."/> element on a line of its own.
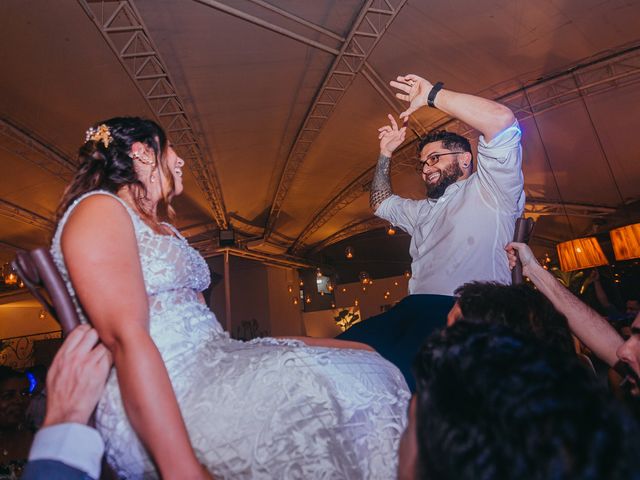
<point x="308" y="299"/>
<point x="580" y="253"/>
<point x="407" y="274"/>
<point x="295" y="301"/>
<point x="626" y="242"/>
<point x="344" y="289"/>
<point x="356" y="302"/>
<point x="290" y="289"/>
<point x="348" y="252"/>
<point x="391" y="230"/>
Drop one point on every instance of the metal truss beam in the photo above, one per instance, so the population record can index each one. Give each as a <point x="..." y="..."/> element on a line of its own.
<point x="13" y="211"/>
<point x="373" y="20"/>
<point x="9" y="246"/>
<point x="298" y="20"/>
<point x="600" y="75"/>
<point x="124" y="31"/>
<point x="353" y="228"/>
<point x="26" y="146"/>
<point x="537" y="207"/>
<point x="270" y="26"/>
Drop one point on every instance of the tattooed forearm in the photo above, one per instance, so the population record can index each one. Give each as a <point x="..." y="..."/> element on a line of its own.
<point x="381" y="184"/>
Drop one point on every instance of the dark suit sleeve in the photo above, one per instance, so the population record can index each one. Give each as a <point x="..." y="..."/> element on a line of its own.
<point x="52" y="470"/>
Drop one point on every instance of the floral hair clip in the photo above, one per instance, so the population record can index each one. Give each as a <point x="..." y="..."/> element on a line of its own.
<point x="100" y="134"/>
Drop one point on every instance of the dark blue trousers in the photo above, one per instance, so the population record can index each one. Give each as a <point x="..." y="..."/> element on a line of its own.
<point x="398" y="333"/>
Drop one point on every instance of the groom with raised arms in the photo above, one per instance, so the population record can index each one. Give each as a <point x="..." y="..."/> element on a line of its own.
<point x="459" y="231"/>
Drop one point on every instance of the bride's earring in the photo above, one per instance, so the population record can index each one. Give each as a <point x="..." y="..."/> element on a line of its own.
<point x="142" y="157"/>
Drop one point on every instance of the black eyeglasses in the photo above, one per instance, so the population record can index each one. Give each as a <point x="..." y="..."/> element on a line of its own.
<point x="431" y="160"/>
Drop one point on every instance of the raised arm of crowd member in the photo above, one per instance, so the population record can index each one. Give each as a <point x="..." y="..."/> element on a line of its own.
<point x="65" y="447"/>
<point x="120" y="314"/>
<point x="585" y="323"/>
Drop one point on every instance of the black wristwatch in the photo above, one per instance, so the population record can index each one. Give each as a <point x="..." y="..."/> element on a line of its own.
<point x="432" y="94"/>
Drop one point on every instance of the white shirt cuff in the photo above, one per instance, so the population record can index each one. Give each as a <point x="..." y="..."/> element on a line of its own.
<point x="73" y="444"/>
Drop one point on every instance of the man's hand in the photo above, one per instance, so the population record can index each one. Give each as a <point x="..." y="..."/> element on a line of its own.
<point x="76" y="379"/>
<point x="391" y="137"/>
<point x="416" y="92"/>
<point x="524" y="252"/>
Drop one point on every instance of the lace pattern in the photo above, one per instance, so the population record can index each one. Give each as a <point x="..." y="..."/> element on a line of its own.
<point x="263" y="409"/>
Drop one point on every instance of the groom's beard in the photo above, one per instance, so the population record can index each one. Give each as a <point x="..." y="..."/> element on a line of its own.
<point x="448" y="177"/>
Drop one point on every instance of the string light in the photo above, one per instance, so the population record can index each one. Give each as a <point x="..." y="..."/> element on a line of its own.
<point x="391" y="230"/>
<point x="348" y="253"/>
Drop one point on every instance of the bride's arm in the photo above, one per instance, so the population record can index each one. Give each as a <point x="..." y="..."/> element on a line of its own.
<point x="101" y="254"/>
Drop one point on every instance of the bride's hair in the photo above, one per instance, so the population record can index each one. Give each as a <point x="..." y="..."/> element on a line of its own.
<point x="105" y="163"/>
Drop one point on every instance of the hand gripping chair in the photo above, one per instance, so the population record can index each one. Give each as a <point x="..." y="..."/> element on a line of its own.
<point x="40" y="275"/>
<point x="521" y="234"/>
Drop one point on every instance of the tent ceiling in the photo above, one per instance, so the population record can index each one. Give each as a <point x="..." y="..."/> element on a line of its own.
<point x="247" y="73"/>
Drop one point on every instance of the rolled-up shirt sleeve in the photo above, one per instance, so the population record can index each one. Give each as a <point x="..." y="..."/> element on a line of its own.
<point x="401" y="212"/>
<point x="75" y="445"/>
<point x="500" y="167"/>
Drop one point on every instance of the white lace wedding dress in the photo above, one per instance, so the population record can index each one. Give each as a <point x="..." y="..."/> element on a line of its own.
<point x="265" y="409"/>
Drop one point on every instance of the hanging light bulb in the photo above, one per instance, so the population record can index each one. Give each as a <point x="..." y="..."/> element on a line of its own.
<point x="10" y="276"/>
<point x="355" y="302"/>
<point x="348" y="252"/>
<point x="290" y="289"/>
<point x="330" y="287"/>
<point x="407" y="274"/>
<point x="301" y="283"/>
<point x="308" y="299"/>
<point x="344" y="289"/>
<point x="391" y="230"/>
<point x="364" y="289"/>
<point x="364" y="278"/>
<point x="295" y="301"/>
<point x="395" y="283"/>
<point x="333" y="305"/>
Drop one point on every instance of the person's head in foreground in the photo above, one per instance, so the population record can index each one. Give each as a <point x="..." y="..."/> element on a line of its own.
<point x="444" y="158"/>
<point x="491" y="404"/>
<point x="128" y="154"/>
<point x="14" y="390"/>
<point x="519" y="307"/>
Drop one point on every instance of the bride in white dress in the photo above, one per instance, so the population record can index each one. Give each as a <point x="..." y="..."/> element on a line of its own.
<point x="183" y="395"/>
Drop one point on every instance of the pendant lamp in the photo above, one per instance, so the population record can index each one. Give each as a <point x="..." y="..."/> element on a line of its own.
<point x="626" y="242"/>
<point x="580" y="253"/>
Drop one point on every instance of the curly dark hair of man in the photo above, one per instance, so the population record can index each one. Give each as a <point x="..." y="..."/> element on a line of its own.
<point x="494" y="405"/>
<point x="110" y="166"/>
<point x="520" y="307"/>
<point x="450" y="140"/>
